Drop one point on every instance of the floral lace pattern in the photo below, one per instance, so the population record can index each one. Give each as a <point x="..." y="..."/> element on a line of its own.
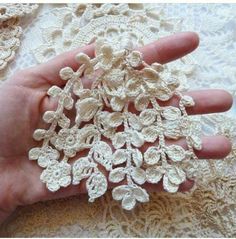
<point x="104" y="109"/>
<point x="146" y="24"/>
<point x="209" y="210"/>
<point x="16" y="10"/>
<point x="10" y="30"/>
<point x="124" y="26"/>
<point x="9" y="38"/>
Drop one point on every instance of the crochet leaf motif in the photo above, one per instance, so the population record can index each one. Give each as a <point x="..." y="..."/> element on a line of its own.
<point x="114" y="121"/>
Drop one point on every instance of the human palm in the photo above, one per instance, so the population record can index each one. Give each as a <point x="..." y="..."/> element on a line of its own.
<point x="23" y="100"/>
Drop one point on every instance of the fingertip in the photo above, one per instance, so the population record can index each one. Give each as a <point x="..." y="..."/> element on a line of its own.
<point x="170" y="48"/>
<point x="228" y="100"/>
<point x="210" y="101"/>
<point x="193" y="39"/>
<point x="187" y="42"/>
<point x="226" y="146"/>
<point x="217" y="149"/>
<point x="222" y="100"/>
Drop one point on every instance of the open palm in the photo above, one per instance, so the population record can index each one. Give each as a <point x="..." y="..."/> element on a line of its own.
<point x="23" y="100"/>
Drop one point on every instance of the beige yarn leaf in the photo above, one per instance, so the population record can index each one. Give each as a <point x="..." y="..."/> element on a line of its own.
<point x="82" y="168"/>
<point x="137" y="157"/>
<point x="151" y="133"/>
<point x="96" y="185"/>
<point x="141" y="102"/>
<point x="138" y="175"/>
<point x="152" y="156"/>
<point x="169" y="186"/>
<point x="117" y="175"/>
<point x="148" y="116"/>
<point x="87" y="108"/>
<point x="115" y="119"/>
<point x="154" y="174"/>
<point x="120" y="156"/>
<point x="103" y="154"/>
<point x="175" y="153"/>
<point x="171" y="113"/>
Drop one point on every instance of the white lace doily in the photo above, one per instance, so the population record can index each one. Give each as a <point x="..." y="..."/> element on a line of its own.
<point x="10" y="30"/>
<point x="209" y="211"/>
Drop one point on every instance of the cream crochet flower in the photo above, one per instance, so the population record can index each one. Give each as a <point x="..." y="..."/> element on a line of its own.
<point x="56" y="175"/>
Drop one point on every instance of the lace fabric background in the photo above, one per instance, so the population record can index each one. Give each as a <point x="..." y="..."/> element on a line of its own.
<point x="210" y="209"/>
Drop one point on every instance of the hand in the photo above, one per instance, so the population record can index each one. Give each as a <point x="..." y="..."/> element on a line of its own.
<point x="23" y="100"/>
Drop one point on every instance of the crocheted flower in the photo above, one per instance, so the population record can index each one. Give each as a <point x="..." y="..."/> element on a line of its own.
<point x="56" y="175"/>
<point x="121" y="92"/>
<point x="68" y="141"/>
<point x="73" y="140"/>
<point x="44" y="155"/>
<point x="129" y="195"/>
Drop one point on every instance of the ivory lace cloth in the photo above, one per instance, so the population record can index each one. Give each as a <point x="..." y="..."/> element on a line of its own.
<point x="209" y="210"/>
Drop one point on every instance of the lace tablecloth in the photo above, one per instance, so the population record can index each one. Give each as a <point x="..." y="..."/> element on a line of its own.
<point x="210" y="209"/>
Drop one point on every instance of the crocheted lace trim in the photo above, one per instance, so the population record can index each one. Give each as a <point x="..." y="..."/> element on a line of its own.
<point x="10" y="30"/>
<point x="113" y="134"/>
<point x="209" y="211"/>
<point x="124" y="26"/>
<point x="10" y="41"/>
<point x="16" y="10"/>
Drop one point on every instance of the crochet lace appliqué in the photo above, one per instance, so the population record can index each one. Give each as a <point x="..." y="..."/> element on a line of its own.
<point x="121" y="131"/>
<point x="9" y="43"/>
<point x="10" y="29"/>
<point x="16" y="10"/>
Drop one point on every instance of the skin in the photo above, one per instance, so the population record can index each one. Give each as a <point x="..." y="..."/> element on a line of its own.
<point x="23" y="100"/>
